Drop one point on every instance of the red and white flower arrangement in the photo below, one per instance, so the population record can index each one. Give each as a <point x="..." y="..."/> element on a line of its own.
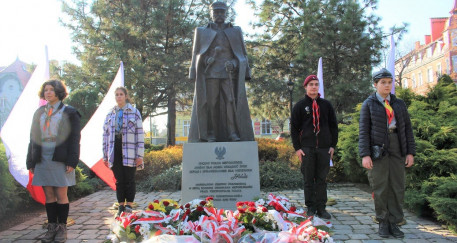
<point x="272" y="220"/>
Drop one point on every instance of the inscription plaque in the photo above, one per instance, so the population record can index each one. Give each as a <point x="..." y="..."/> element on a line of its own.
<point x="226" y="171"/>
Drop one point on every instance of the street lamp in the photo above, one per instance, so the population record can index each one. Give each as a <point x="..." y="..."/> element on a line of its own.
<point x="290" y="86"/>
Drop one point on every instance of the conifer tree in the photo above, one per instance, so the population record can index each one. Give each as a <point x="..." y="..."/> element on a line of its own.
<point x="297" y="33"/>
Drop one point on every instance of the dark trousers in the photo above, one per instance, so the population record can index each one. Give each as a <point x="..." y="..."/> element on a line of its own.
<point x="125" y="175"/>
<point x="387" y="180"/>
<point x="315" y="167"/>
<point x="214" y="89"/>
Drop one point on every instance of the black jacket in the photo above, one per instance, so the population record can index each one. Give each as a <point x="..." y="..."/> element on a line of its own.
<point x="302" y="128"/>
<point x="373" y="128"/>
<point x="67" y="141"/>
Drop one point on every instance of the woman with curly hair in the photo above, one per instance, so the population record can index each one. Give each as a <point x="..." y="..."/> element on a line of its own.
<point x="54" y="154"/>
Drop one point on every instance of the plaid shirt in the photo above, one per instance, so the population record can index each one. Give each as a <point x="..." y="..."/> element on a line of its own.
<point x="132" y="136"/>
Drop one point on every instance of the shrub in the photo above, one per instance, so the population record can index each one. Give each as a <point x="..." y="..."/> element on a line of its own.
<point x="83" y="185"/>
<point x="443" y="199"/>
<point x="156" y="162"/>
<point x="272" y="150"/>
<point x="8" y="187"/>
<point x="267" y="150"/>
<point x="279" y="176"/>
<point x="170" y="179"/>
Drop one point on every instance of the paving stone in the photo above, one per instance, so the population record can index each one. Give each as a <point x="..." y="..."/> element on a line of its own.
<point x="359" y="236"/>
<point x="351" y="218"/>
<point x="359" y="226"/>
<point x="338" y="237"/>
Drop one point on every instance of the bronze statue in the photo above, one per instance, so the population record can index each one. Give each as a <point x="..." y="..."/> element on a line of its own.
<point x="220" y="110"/>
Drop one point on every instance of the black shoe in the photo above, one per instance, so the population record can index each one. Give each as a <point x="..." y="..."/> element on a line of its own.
<point x="120" y="210"/>
<point x="311" y="212"/>
<point x="128" y="209"/>
<point x="395" y="231"/>
<point x="323" y="214"/>
<point x="383" y="229"/>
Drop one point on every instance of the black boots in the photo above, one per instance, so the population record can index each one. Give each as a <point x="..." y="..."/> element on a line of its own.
<point x="120" y="210"/>
<point x="383" y="228"/>
<point x="395" y="231"/>
<point x="323" y="214"/>
<point x="386" y="229"/>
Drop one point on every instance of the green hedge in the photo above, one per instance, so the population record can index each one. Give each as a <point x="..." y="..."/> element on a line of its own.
<point x="8" y="187"/>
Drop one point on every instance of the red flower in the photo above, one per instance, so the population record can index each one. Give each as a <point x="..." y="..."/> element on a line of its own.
<point x="137" y="229"/>
<point x="166" y="203"/>
<point x="293" y="209"/>
<point x="251" y="204"/>
<point x="203" y="203"/>
<point x="188" y="211"/>
<point x="252" y="209"/>
<point x="239" y="204"/>
<point x="200" y="208"/>
<point x="181" y="207"/>
<point x="187" y="205"/>
<point x="181" y="232"/>
<point x="151" y="207"/>
<point x="241" y="210"/>
<point x="264" y="209"/>
<point x="209" y="198"/>
<point x="156" y="201"/>
<point x="199" y="228"/>
<point x="277" y="207"/>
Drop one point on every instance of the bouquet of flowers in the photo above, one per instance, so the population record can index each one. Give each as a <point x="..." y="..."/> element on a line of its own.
<point x="274" y="219"/>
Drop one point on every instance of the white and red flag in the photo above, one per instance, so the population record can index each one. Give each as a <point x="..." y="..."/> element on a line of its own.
<point x="92" y="134"/>
<point x="391" y="62"/>
<point x="320" y="76"/>
<point x="15" y="132"/>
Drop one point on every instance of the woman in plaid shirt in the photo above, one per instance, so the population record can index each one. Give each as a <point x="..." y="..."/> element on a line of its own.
<point x="123" y="147"/>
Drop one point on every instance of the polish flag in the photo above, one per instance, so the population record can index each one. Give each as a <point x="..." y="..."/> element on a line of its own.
<point x="320" y="76"/>
<point x="15" y="132"/>
<point x="391" y="62"/>
<point x="92" y="134"/>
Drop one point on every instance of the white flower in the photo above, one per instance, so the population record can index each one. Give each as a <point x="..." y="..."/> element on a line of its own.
<point x="300" y="211"/>
<point x="260" y="202"/>
<point x="144" y="231"/>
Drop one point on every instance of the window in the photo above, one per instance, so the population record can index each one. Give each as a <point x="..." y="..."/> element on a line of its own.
<point x="420" y="79"/>
<point x="414" y="80"/>
<point x="438" y="69"/>
<point x="404" y="82"/>
<point x="429" y="75"/>
<point x="185" y="128"/>
<point x="429" y="52"/>
<point x="266" y="126"/>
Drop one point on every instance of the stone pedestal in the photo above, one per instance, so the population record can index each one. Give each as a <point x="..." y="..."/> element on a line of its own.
<point x="227" y="171"/>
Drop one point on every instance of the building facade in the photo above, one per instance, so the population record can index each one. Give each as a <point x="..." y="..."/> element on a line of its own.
<point x="421" y="68"/>
<point x="13" y="79"/>
<point x="263" y="128"/>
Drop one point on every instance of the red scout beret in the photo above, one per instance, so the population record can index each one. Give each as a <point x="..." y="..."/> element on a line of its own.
<point x="309" y="79"/>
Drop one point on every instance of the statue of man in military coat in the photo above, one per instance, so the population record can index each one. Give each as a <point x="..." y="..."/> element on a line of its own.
<point x="219" y="68"/>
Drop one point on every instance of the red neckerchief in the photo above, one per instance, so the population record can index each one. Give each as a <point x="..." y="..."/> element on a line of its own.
<point x="316" y="115"/>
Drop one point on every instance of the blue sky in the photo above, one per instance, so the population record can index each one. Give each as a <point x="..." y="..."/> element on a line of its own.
<point x="28" y="25"/>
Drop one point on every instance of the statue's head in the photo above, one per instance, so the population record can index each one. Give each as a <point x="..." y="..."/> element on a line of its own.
<point x="218" y="12"/>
